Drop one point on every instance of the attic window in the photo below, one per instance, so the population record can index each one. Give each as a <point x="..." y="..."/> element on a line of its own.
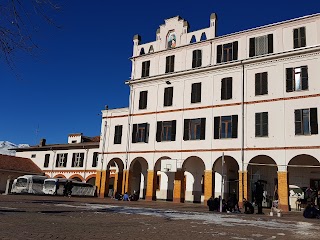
<point x="203" y="37"/>
<point x="142" y="51"/>
<point x="193" y="39"/>
<point x="74" y="141"/>
<point x="33" y="155"/>
<point x="151" y="49"/>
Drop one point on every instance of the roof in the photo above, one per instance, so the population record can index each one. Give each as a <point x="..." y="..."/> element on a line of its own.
<point x="18" y="164"/>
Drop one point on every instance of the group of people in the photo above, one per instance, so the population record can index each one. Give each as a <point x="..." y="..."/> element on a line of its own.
<point x="126" y="196"/>
<point x="67" y="190"/>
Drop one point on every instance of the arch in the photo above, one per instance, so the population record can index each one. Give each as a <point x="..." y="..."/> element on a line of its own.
<point x="164" y="181"/>
<point x="171" y="39"/>
<point x="194" y="168"/>
<point x="203" y="37"/>
<point x="59" y="176"/>
<point x="264" y="169"/>
<point x="193" y="39"/>
<point x="231" y="177"/>
<point x="77" y="177"/>
<point x="151" y="50"/>
<point x="117" y="162"/>
<point x="91" y="176"/>
<point x="142" y="51"/>
<point x="303" y="172"/>
<point x="47" y="175"/>
<point x="138" y="176"/>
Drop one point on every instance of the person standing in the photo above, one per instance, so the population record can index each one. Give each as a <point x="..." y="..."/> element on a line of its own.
<point x="259" y="196"/>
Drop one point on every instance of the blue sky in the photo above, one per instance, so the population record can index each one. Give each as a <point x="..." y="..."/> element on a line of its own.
<point x="82" y="67"/>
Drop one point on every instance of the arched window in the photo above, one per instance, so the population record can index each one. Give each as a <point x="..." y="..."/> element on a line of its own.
<point x="142" y="51"/>
<point x="151" y="49"/>
<point x="193" y="39"/>
<point x="203" y="37"/>
<point x="171" y="39"/>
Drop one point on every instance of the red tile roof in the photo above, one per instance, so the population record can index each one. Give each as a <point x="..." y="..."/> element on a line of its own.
<point x="19" y="164"/>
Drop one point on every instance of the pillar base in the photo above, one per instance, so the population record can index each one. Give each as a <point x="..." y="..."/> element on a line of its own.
<point x="150" y="198"/>
<point x="178" y="200"/>
<point x="284" y="208"/>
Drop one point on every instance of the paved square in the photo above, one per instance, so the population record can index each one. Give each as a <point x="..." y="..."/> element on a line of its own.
<point x="43" y="217"/>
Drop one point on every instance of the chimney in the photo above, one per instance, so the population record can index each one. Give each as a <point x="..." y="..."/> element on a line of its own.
<point x="42" y="142"/>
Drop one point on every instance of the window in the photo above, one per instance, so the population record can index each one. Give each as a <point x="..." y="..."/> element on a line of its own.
<point x="196" y="58"/>
<point x="299" y="37"/>
<point x="151" y="49"/>
<point x="33" y="155"/>
<point x="203" y="37"/>
<point x="226" y="88"/>
<point x="140" y="133"/>
<point x="194" y="129"/>
<point x="227" y="52"/>
<point x="166" y="131"/>
<point x="145" y="69"/>
<point x="143" y="100"/>
<point x="168" y="96"/>
<point x="193" y="39"/>
<point x="95" y="159"/>
<point x="261" y="45"/>
<point x="297" y="79"/>
<point x="306" y="121"/>
<point x="61" y="160"/>
<point x="262" y="124"/>
<point x="77" y="160"/>
<point x="46" y="160"/>
<point x="170" y="64"/>
<point x="117" y="134"/>
<point x="226" y="127"/>
<point x="74" y="141"/>
<point x="196" y="93"/>
<point x="142" y="51"/>
<point x="261" y="83"/>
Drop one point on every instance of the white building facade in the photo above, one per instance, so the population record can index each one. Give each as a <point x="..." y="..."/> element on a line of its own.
<point x="252" y="96"/>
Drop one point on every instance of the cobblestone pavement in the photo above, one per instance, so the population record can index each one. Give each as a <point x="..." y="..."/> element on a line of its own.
<point x="43" y="217"/>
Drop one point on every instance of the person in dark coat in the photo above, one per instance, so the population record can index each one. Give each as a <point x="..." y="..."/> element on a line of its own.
<point x="311" y="212"/>
<point x="210" y="204"/>
<point x="258" y="196"/>
<point x="248" y="208"/>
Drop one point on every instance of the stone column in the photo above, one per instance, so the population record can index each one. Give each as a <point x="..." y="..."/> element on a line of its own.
<point x="98" y="181"/>
<point x="243" y="187"/>
<point x="178" y="189"/>
<point x="103" y="180"/>
<point x="126" y="181"/>
<point x="151" y="185"/>
<point x="208" y="185"/>
<point x="283" y="191"/>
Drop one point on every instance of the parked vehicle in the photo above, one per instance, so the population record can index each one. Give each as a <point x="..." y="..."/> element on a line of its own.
<point x="32" y="184"/>
<point x="55" y="186"/>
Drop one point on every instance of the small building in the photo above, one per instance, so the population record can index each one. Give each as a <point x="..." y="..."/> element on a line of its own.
<point x="12" y="167"/>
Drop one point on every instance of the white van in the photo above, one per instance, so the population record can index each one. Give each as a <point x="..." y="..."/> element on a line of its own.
<point x="32" y="184"/>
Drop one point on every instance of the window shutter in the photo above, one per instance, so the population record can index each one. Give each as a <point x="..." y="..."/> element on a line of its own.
<point x="264" y="83"/>
<point x="65" y="160"/>
<point x="235" y="51"/>
<point x="120" y="134"/>
<point x="303" y="36"/>
<point x="198" y="92"/>
<point x="134" y="133"/>
<point x="146" y="132"/>
<point x="167" y="64"/>
<point x="73" y="159"/>
<point x="159" y="131"/>
<point x="199" y="59"/>
<point x="81" y="161"/>
<point x="234" y="126"/>
<point x="173" y="130"/>
<point x="203" y="129"/>
<point x="219" y="53"/>
<point x="258" y="124"/>
<point x="194" y="58"/>
<point x="270" y="43"/>
<point x="304" y="77"/>
<point x="314" y="120"/>
<point x="193" y="95"/>
<point x="289" y="79"/>
<point x="143" y="99"/>
<point x="295" y="38"/>
<point x="170" y="98"/>
<point x="229" y="88"/>
<point x="298" y="121"/>
<point x="172" y="64"/>
<point x="186" y="129"/>
<point x="252" y="47"/>
<point x="265" y="124"/>
<point x="57" y="161"/>
<point x="223" y="89"/>
<point x="216" y="127"/>
<point x="257" y="84"/>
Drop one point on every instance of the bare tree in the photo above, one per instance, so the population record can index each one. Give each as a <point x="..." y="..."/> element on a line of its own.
<point x="17" y="24"/>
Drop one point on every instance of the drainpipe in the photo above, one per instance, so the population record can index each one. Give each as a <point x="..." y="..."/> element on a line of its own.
<point x="103" y="148"/>
<point x="85" y="165"/>
<point x="54" y="157"/>
<point x="242" y="129"/>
